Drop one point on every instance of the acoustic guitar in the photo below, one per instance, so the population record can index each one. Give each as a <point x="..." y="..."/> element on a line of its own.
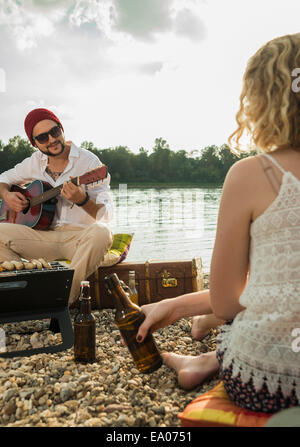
<point x="41" y="197"/>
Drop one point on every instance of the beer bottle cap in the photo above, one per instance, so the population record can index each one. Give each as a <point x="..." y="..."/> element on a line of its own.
<point x="84" y="290"/>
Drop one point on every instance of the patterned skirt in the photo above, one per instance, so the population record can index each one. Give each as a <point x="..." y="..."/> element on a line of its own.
<point x="245" y="395"/>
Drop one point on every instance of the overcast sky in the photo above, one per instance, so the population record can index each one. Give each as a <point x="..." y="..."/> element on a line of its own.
<point x="124" y="72"/>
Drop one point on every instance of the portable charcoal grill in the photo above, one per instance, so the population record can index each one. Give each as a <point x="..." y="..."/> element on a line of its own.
<point x="34" y="295"/>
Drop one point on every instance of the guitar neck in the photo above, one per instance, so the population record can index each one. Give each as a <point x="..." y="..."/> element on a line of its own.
<point x="89" y="177"/>
<point x="47" y="195"/>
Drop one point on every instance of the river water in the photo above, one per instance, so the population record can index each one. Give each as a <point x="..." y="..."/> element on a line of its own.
<point x="168" y="223"/>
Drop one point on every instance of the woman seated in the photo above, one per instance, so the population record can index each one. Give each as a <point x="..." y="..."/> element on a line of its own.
<point x="255" y="266"/>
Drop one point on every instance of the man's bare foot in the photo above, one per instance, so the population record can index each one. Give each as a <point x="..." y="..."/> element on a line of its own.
<point x="202" y="324"/>
<point x="191" y="370"/>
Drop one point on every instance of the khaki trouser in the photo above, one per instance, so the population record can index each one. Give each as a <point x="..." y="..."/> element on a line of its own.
<point x="85" y="247"/>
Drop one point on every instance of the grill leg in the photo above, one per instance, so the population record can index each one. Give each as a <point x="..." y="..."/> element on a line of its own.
<point x="61" y="319"/>
<point x="54" y="326"/>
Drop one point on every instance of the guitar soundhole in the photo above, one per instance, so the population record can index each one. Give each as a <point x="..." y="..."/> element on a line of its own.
<point x="25" y="210"/>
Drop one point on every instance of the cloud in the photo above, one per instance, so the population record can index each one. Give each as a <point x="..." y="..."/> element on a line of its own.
<point x="49" y="74"/>
<point x="30" y="21"/>
<point x="150" y="68"/>
<point x="95" y="12"/>
<point x="27" y="24"/>
<point x="142" y="19"/>
<point x="79" y="39"/>
<point x="188" y="24"/>
<point x="84" y="58"/>
<point x="50" y="4"/>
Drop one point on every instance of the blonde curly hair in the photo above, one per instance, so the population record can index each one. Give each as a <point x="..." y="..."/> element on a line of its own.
<point x="269" y="106"/>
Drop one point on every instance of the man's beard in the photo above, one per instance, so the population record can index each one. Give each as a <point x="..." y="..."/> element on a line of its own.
<point x="47" y="152"/>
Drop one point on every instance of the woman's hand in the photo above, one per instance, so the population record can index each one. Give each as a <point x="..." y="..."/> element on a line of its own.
<point x="158" y="315"/>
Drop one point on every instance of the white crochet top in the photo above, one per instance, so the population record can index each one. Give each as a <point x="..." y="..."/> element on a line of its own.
<point x="259" y="340"/>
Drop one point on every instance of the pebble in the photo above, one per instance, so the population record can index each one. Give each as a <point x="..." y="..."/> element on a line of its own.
<point x="51" y="390"/>
<point x="9" y="408"/>
<point x="83" y="378"/>
<point x="56" y="388"/>
<point x="152" y="422"/>
<point x="159" y="410"/>
<point x="42" y="400"/>
<point x="65" y="379"/>
<point x="65" y="393"/>
<point x="8" y="394"/>
<point x="116" y="407"/>
<point x="187" y="340"/>
<point x="93" y="422"/>
<point x="26" y="393"/>
<point x="61" y="410"/>
<point x="122" y="419"/>
<point x="115" y="368"/>
<point x="72" y="404"/>
<point x="35" y="341"/>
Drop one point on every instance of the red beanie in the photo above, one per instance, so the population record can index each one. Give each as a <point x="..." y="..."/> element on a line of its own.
<point x="34" y="117"/>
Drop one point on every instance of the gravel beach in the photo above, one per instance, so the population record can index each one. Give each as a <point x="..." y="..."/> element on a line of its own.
<point x="51" y="390"/>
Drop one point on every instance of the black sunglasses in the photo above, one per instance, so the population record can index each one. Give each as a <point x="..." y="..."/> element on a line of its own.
<point x="43" y="138"/>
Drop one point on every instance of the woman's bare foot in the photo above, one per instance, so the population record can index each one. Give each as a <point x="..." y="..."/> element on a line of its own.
<point x="202" y="324"/>
<point x="191" y="370"/>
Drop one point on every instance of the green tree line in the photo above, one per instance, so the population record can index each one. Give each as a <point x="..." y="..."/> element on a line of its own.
<point x="161" y="165"/>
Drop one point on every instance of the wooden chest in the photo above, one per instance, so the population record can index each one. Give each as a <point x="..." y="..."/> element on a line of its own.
<point x="155" y="280"/>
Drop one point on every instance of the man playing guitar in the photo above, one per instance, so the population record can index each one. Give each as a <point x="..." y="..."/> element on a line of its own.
<point x="78" y="231"/>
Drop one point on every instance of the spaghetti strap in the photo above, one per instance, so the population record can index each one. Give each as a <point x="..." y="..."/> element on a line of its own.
<point x="269" y="171"/>
<point x="275" y="162"/>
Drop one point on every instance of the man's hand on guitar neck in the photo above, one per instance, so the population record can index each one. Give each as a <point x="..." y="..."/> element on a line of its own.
<point x="73" y="193"/>
<point x="77" y="194"/>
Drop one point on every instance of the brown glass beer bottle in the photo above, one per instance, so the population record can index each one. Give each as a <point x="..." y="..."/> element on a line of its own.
<point x="85" y="328"/>
<point x="129" y="317"/>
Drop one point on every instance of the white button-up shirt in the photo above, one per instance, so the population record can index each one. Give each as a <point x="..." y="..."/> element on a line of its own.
<point x="80" y="162"/>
